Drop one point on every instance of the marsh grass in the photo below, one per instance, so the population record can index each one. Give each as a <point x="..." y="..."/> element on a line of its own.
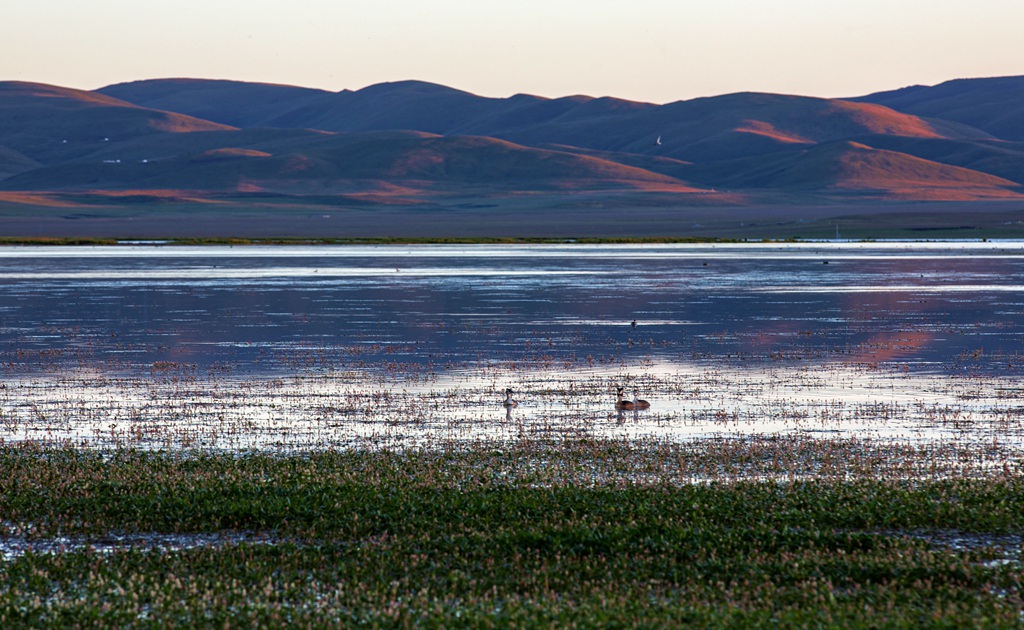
<point x="534" y="533"/>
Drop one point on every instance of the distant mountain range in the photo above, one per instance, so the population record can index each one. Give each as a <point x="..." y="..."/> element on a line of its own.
<point x="409" y="141"/>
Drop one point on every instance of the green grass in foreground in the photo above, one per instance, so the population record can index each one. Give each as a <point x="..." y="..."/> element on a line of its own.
<point x="483" y="538"/>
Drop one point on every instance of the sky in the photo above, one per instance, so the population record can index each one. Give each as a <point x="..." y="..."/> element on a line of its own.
<point x="646" y="50"/>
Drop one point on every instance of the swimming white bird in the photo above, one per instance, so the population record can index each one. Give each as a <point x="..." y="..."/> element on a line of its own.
<point x="509" y="403"/>
<point x="658" y="141"/>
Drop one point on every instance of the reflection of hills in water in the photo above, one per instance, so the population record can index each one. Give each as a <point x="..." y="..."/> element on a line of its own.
<point x="273" y="311"/>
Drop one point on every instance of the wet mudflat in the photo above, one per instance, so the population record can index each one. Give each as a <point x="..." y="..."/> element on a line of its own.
<point x="245" y="396"/>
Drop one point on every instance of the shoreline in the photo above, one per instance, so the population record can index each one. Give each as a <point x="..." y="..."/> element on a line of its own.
<point x="517" y="220"/>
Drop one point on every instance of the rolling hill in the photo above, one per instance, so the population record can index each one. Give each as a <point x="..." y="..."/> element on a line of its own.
<point x="402" y="105"/>
<point x="994" y="157"/>
<point x="707" y="128"/>
<point x="993" y="104"/>
<point x="53" y="124"/>
<point x="852" y="167"/>
<point x="735" y="125"/>
<point x="272" y="161"/>
<point x="234" y="103"/>
<point x="418" y="140"/>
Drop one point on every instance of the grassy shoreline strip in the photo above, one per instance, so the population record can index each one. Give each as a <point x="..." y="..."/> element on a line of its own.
<point x="433" y="538"/>
<point x="654" y="240"/>
<point x="364" y="493"/>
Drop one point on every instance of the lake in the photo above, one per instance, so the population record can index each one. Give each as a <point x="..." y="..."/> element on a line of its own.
<point x="294" y="347"/>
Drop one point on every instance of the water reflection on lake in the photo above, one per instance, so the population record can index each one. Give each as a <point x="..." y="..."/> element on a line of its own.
<point x="234" y="347"/>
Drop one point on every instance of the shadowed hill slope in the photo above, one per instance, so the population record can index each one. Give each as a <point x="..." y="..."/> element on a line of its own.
<point x="853" y="167"/>
<point x="235" y="103"/>
<point x="12" y="163"/>
<point x="994" y="157"/>
<point x="51" y="124"/>
<point x="412" y="105"/>
<point x="341" y="162"/>
<point x="993" y="104"/>
<point x="402" y="105"/>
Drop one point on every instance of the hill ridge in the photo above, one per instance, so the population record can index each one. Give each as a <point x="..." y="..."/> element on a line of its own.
<point x="427" y="139"/>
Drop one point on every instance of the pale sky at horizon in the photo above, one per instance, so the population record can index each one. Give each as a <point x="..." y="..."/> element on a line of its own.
<point x="646" y="50"/>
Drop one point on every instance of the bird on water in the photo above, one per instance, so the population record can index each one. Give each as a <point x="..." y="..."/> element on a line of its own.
<point x="630" y="405"/>
<point x="639" y="403"/>
<point x="509" y="402"/>
<point x="623" y="405"/>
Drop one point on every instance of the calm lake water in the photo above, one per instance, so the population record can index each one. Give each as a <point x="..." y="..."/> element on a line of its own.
<point x="329" y="344"/>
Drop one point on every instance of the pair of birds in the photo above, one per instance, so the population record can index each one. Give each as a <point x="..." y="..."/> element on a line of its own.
<point x="620" y="404"/>
<point x="630" y="405"/>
